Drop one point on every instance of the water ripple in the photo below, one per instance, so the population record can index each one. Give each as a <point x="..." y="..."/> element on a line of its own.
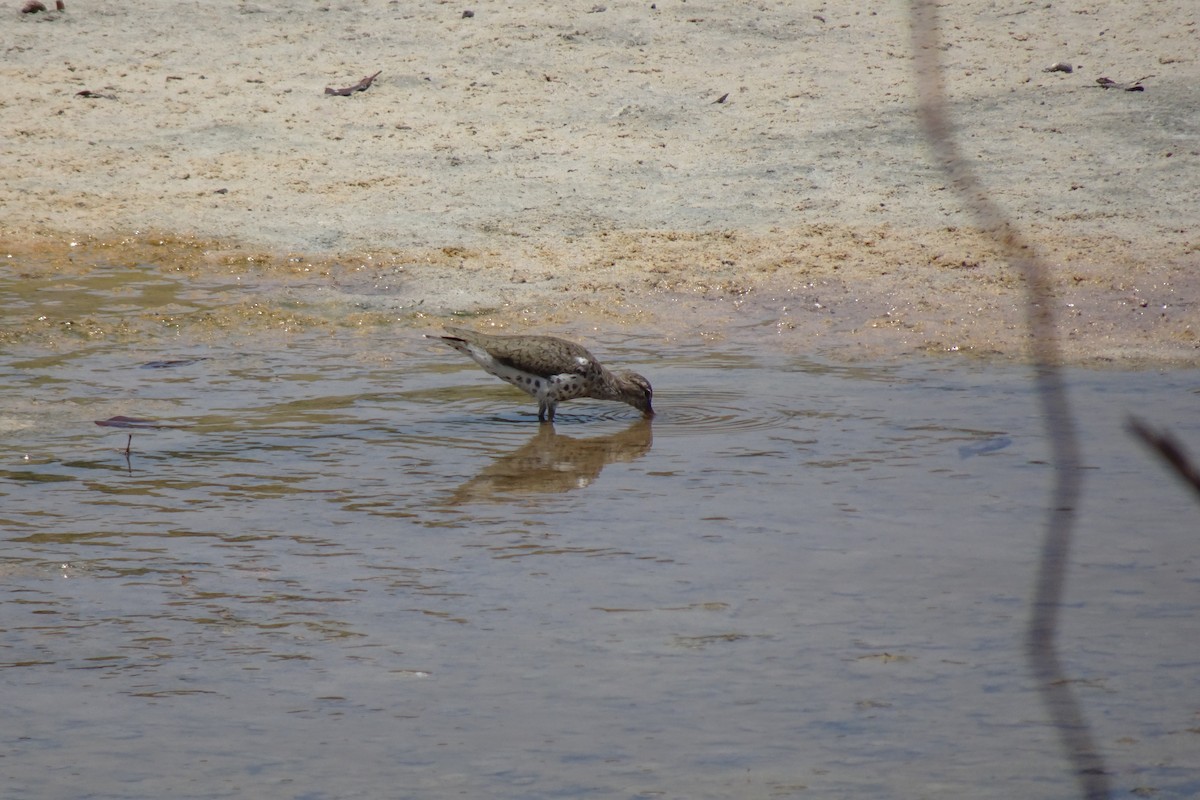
<point x="706" y="411"/>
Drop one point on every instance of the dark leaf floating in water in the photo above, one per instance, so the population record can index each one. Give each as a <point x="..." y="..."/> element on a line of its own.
<point x="133" y="422"/>
<point x="176" y="362"/>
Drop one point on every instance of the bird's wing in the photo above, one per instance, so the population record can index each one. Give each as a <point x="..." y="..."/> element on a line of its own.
<point x="538" y="355"/>
<point x="549" y="356"/>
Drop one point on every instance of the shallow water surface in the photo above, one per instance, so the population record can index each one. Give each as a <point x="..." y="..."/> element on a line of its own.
<point x="347" y="563"/>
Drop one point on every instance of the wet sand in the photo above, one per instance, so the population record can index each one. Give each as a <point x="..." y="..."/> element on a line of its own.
<point x="684" y="168"/>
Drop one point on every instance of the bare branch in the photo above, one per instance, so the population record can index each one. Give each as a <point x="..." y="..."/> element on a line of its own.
<point x="1041" y="633"/>
<point x="1169" y="449"/>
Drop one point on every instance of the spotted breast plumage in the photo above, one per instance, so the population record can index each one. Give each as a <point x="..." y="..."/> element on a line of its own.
<point x="550" y="369"/>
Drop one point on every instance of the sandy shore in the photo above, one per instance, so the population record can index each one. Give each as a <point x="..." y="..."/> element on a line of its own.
<point x="693" y="168"/>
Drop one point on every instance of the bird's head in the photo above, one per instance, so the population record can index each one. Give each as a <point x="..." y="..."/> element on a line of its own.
<point x="636" y="391"/>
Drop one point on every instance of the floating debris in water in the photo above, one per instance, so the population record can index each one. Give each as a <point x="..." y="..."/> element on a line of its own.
<point x="986" y="446"/>
<point x="171" y="363"/>
<point x="134" y="422"/>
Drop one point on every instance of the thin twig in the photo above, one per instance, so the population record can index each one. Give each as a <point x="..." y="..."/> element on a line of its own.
<point x="1169" y="449"/>
<point x="1041" y="634"/>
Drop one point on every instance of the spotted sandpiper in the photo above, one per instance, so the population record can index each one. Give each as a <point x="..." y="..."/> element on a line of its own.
<point x="550" y="369"/>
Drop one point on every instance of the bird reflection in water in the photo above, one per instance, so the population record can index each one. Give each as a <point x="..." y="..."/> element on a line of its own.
<point x="551" y="462"/>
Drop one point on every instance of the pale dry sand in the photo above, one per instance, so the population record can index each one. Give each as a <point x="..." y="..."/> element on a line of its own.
<point x="553" y="165"/>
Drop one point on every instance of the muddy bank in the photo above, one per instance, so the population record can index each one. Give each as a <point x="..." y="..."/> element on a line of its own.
<point x="837" y="293"/>
<point x="690" y="168"/>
